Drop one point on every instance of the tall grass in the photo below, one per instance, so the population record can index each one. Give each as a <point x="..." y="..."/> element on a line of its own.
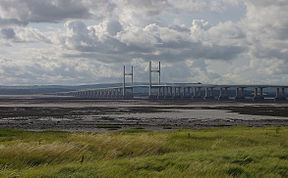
<point x="221" y="152"/>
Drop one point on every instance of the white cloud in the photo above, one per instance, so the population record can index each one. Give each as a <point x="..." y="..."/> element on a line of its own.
<point x="99" y="36"/>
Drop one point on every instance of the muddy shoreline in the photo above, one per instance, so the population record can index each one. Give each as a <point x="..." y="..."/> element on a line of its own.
<point x="101" y="116"/>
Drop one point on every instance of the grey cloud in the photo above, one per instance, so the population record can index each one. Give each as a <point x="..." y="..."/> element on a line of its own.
<point x="7" y="33"/>
<point x="150" y="42"/>
<point x="148" y="7"/>
<point x="267" y="28"/>
<point x="113" y="27"/>
<point x="51" y="71"/>
<point x="22" y="12"/>
<point x="13" y="21"/>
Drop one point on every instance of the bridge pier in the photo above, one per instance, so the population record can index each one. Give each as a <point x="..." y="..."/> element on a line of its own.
<point x="239" y="95"/>
<point x="283" y="94"/>
<point x="223" y="95"/>
<point x="209" y="95"/>
<point x="184" y="92"/>
<point x="197" y="93"/>
<point x="279" y="97"/>
<point x="258" y="96"/>
<point x="189" y="92"/>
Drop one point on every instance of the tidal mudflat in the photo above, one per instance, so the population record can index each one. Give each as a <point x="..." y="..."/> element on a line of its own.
<point x="70" y="114"/>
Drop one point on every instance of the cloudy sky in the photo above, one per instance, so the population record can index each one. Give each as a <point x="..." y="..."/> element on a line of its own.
<point x="89" y="41"/>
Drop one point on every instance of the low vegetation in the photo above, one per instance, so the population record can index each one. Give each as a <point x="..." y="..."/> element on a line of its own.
<point x="217" y="152"/>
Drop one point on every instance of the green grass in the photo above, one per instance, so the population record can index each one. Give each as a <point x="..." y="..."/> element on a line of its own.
<point x="218" y="152"/>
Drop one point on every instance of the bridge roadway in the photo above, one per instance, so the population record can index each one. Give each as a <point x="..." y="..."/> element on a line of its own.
<point x="194" y="91"/>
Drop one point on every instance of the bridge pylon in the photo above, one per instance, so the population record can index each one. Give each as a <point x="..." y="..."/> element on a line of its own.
<point x="150" y="77"/>
<point x="131" y="74"/>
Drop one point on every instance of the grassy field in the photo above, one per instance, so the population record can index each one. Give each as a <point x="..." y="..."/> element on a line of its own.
<point x="219" y="152"/>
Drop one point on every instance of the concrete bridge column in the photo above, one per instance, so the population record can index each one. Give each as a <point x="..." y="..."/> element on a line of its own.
<point x="189" y="92"/>
<point x="256" y="96"/>
<point x="107" y="93"/>
<point x="220" y="93"/>
<point x="242" y="93"/>
<point x="114" y="93"/>
<point x="261" y="92"/>
<point x="199" y="92"/>
<point x="120" y="93"/>
<point x="277" y="94"/>
<point x="171" y="92"/>
<point x="184" y="92"/>
<point x="175" y="92"/>
<point x="237" y="93"/>
<point x="110" y="93"/>
<point x="209" y="95"/>
<point x="283" y="94"/>
<point x="194" y="92"/>
<point x="118" y="90"/>
<point x="212" y="92"/>
<point x="179" y="91"/>
<point x="160" y="94"/>
<point x="223" y="95"/>
<point x="206" y="93"/>
<point x="166" y="92"/>
<point x="255" y="92"/>
<point x="101" y="93"/>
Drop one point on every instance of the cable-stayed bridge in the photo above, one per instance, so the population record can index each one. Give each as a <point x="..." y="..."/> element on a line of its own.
<point x="181" y="91"/>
